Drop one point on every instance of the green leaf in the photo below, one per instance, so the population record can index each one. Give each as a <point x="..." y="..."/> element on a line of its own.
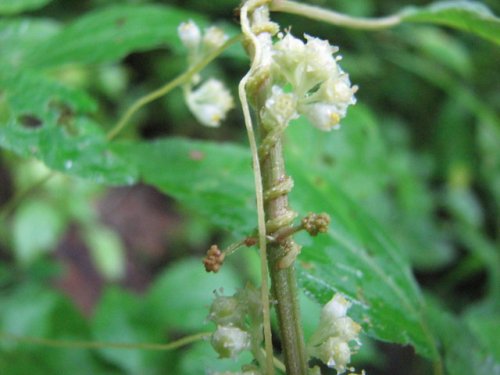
<point x="8" y="7"/>
<point x="219" y="184"/>
<point x="388" y="181"/>
<point x="26" y="310"/>
<point x="37" y="228"/>
<point x="470" y="16"/>
<point x="486" y="328"/>
<point x="19" y="36"/>
<point x="356" y="257"/>
<point x="43" y="119"/>
<point x="112" y="33"/>
<point x="464" y="343"/>
<point x="121" y="317"/>
<point x="107" y="251"/>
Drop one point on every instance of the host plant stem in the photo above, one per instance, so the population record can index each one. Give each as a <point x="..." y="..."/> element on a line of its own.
<point x="283" y="280"/>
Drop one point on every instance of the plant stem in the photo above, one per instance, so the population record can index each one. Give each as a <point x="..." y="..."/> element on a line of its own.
<point x="334" y="18"/>
<point x="283" y="280"/>
<point x="165" y="89"/>
<point x="56" y="343"/>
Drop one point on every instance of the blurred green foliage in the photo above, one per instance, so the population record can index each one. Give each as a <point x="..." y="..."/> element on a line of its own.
<point x="412" y="182"/>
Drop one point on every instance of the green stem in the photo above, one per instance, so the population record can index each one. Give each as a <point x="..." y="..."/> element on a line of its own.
<point x="334" y="18"/>
<point x="97" y="345"/>
<point x="180" y="80"/>
<point x="283" y="280"/>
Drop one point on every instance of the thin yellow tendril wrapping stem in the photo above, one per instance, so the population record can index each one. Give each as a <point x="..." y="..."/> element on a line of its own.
<point x="334" y="18"/>
<point x="56" y="343"/>
<point x="179" y="80"/>
<point x="245" y="26"/>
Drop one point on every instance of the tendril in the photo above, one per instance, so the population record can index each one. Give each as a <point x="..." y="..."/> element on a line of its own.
<point x="256" y="61"/>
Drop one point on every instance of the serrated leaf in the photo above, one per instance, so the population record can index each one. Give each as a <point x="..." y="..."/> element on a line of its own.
<point x="9" y="7"/>
<point x="470" y="16"/>
<point x="43" y="119"/>
<point x="384" y="180"/>
<point x="110" y="34"/>
<point x="356" y="257"/>
<point x="218" y="184"/>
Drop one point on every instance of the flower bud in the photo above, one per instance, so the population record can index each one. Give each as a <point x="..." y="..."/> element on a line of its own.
<point x="330" y="342"/>
<point x="210" y="102"/>
<point x="229" y="341"/>
<point x="214" y="38"/>
<point x="336" y="308"/>
<point x="335" y="353"/>
<point x="279" y="108"/>
<point x="226" y="311"/>
<point x="190" y="35"/>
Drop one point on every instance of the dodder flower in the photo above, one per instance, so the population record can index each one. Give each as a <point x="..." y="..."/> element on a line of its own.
<point x="331" y="340"/>
<point x="210" y="102"/>
<point x="279" y="108"/>
<point x="190" y="35"/>
<point x="323" y="91"/>
<point x="239" y="321"/>
<point x="230" y="341"/>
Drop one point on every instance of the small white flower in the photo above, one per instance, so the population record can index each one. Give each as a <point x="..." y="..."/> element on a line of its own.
<point x="210" y="102"/>
<point x="213" y="38"/>
<point x="190" y="35"/>
<point x="229" y="341"/>
<point x="330" y="342"/>
<point x="288" y="52"/>
<point x="279" y="108"/>
<point x="335" y="308"/>
<point x="323" y="91"/>
<point x="322" y="115"/>
<point x="335" y="353"/>
<point x="319" y="62"/>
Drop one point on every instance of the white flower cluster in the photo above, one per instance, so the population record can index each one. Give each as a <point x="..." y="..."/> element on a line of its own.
<point x="210" y="101"/>
<point x="233" y="333"/>
<point x="336" y="331"/>
<point x="320" y="88"/>
<point x="200" y="45"/>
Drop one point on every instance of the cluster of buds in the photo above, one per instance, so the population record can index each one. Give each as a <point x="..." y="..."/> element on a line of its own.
<point x="210" y="101"/>
<point x="331" y="342"/>
<point x="214" y="259"/>
<point x="316" y="223"/>
<point x="320" y="90"/>
<point x="234" y="331"/>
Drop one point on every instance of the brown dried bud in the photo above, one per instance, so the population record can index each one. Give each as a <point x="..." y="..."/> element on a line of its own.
<point x="316" y="223"/>
<point x="250" y="241"/>
<point x="214" y="259"/>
